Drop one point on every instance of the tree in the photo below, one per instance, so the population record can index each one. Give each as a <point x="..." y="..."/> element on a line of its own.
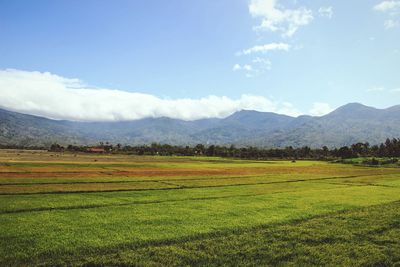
<point x="56" y="148"/>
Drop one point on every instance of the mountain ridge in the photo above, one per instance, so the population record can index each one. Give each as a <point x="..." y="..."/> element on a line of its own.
<point x="347" y="124"/>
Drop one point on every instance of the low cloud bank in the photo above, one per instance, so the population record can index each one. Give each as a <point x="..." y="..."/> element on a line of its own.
<point x="320" y="109"/>
<point x="56" y="97"/>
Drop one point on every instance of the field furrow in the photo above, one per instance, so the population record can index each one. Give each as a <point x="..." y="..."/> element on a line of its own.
<point x="84" y="209"/>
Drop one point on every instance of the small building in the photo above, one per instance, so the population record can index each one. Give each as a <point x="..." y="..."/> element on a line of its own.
<point x="96" y="150"/>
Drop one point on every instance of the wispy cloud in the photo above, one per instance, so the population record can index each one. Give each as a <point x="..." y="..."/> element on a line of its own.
<point x="388" y="6"/>
<point x="379" y="89"/>
<point x="53" y="96"/>
<point x="263" y="63"/>
<point x="277" y="18"/>
<point x="257" y="67"/>
<point x="245" y="67"/>
<point x="392" y="9"/>
<point x="265" y="48"/>
<point x="320" y="109"/>
<point x="326" y="12"/>
<point x="390" y="24"/>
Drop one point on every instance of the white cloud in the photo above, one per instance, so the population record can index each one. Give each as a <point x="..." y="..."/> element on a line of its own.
<point x="258" y="66"/>
<point x="248" y="67"/>
<point x="265" y="48"/>
<point x="53" y="96"/>
<point x="276" y="18"/>
<point x="388" y="6"/>
<point x="326" y="12"/>
<point x="263" y="63"/>
<point x="288" y="109"/>
<point x="320" y="109"/>
<point x="245" y="67"/>
<point x="390" y="24"/>
<point x="382" y="89"/>
<point x="393" y="9"/>
<point x="236" y="67"/>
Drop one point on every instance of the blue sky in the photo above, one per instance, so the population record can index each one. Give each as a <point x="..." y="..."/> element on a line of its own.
<point x="302" y="57"/>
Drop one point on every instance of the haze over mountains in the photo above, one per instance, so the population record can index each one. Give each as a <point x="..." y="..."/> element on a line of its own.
<point x="346" y="125"/>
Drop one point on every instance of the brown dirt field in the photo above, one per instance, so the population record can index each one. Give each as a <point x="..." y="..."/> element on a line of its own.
<point x="135" y="173"/>
<point x="67" y="173"/>
<point x="157" y="172"/>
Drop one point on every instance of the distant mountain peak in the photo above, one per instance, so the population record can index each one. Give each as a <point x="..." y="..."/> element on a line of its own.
<point x="248" y="112"/>
<point x="351" y="110"/>
<point x="348" y="124"/>
<point x="355" y="105"/>
<point x="393" y="108"/>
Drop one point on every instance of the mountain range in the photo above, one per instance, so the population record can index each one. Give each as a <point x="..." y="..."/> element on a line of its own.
<point x="346" y="125"/>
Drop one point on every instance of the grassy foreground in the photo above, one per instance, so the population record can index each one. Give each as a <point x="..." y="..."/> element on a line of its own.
<point x="65" y="209"/>
<point x="362" y="237"/>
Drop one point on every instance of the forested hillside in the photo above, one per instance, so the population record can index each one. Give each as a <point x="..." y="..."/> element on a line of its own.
<point x="346" y="125"/>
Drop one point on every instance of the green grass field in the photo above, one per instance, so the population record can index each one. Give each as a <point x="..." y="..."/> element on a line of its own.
<point x="113" y="210"/>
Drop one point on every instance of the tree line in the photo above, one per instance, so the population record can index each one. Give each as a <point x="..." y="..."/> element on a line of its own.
<point x="390" y="148"/>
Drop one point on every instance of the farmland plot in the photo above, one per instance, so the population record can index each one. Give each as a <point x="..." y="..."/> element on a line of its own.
<point x="66" y="209"/>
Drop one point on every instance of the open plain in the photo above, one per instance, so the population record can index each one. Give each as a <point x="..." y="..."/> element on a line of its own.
<point x="86" y="209"/>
